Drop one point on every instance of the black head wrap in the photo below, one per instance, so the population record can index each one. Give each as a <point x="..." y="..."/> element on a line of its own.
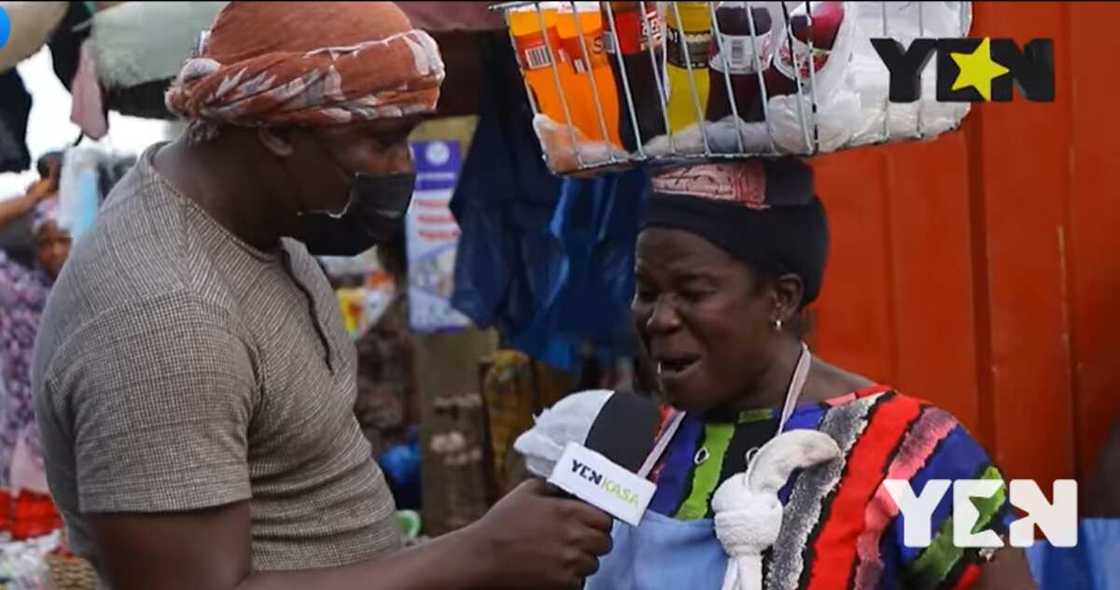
<point x="762" y="212"/>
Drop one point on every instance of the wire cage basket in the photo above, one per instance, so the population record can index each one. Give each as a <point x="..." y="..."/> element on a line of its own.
<point x="616" y="84"/>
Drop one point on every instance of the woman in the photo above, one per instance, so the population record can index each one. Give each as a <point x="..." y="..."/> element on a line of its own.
<point x="23" y="294"/>
<point x="728" y="256"/>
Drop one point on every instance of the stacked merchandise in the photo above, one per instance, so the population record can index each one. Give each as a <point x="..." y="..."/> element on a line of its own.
<point x="614" y="83"/>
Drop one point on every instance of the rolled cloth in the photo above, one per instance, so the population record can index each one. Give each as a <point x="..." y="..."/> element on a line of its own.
<point x="762" y="212"/>
<point x="310" y="64"/>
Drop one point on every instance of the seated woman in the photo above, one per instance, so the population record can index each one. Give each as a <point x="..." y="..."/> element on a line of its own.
<point x="728" y="256"/>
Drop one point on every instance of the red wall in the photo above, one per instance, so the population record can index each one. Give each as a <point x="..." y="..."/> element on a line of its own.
<point x="981" y="270"/>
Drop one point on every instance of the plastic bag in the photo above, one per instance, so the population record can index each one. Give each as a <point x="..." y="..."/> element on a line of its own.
<point x="905" y="21"/>
<point x="561" y="142"/>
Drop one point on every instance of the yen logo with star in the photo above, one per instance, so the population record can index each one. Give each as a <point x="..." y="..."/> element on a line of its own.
<point x="970" y="69"/>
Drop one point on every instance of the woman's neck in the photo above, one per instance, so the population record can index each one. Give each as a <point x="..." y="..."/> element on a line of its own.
<point x="772" y="386"/>
<point x="823" y="382"/>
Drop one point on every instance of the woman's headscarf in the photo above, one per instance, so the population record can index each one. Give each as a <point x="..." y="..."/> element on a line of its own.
<point x="762" y="212"/>
<point x="312" y="64"/>
<point x="46" y="211"/>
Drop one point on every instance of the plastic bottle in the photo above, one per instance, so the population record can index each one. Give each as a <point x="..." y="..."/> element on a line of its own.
<point x="734" y="30"/>
<point x="535" y="58"/>
<point x="693" y="29"/>
<point x="633" y="36"/>
<point x="826" y="20"/>
<point x="585" y="20"/>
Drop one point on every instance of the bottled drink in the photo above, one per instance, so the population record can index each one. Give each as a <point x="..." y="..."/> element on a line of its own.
<point x="535" y="57"/>
<point x="693" y="29"/>
<point x="738" y="53"/>
<point x="827" y="18"/>
<point x="633" y="36"/>
<point x="586" y="21"/>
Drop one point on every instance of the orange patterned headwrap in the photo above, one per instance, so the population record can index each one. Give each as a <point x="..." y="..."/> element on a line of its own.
<point x="310" y="64"/>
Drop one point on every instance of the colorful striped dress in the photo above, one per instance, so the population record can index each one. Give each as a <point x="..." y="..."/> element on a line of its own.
<point x="840" y="529"/>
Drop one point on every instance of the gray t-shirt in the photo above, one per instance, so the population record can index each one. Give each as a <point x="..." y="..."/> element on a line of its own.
<point x="178" y="368"/>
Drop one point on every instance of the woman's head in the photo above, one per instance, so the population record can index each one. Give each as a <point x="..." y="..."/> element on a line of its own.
<point x="52" y="243"/>
<point x="728" y="256"/>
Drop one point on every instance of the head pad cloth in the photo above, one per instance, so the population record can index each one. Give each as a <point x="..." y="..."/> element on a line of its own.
<point x="308" y="64"/>
<point x="762" y="212"/>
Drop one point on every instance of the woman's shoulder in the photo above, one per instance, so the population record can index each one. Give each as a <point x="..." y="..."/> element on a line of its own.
<point x="901" y="428"/>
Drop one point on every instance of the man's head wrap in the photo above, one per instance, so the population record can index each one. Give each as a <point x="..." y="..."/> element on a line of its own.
<point x="309" y="64"/>
<point x="762" y="212"/>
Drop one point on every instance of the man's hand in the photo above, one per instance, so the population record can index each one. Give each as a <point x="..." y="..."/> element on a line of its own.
<point x="534" y="540"/>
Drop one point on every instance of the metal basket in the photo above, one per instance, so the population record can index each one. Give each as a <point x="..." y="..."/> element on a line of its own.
<point x="568" y="150"/>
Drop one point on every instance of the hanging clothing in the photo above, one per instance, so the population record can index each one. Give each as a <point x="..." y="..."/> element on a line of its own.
<point x="29" y="26"/>
<point x="23" y="295"/>
<point x="839" y="530"/>
<point x="87" y="110"/>
<point x="15" y="108"/>
<point x="503" y="201"/>
<point x="66" y="41"/>
<point x="547" y="261"/>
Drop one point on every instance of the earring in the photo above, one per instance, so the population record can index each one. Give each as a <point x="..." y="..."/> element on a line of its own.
<point x="778" y="325"/>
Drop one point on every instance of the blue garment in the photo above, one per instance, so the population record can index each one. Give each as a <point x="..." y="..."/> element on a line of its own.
<point x="662" y="553"/>
<point x="549" y="262"/>
<point x="1092" y="565"/>
<point x="585" y="285"/>
<point x="503" y="201"/>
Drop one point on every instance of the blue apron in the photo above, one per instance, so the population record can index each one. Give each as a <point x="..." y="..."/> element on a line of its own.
<point x="662" y="553"/>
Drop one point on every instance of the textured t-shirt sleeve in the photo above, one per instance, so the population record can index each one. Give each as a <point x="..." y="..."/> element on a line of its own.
<point x="157" y="399"/>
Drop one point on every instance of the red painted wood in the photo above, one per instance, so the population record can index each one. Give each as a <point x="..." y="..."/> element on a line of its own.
<point x="1093" y="251"/>
<point x="980" y="271"/>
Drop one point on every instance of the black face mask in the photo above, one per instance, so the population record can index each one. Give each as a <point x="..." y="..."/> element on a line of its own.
<point x="374" y="215"/>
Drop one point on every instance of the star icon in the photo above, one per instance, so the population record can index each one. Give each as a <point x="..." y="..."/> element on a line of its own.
<point x="978" y="70"/>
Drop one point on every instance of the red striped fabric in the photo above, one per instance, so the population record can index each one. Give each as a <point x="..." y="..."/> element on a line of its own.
<point x="968" y="577"/>
<point x="863" y="473"/>
<point x="916" y="449"/>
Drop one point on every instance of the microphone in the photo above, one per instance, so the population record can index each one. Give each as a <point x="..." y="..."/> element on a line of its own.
<point x="592" y="445"/>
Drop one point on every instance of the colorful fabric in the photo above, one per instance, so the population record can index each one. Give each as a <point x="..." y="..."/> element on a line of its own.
<point x="841" y="529"/>
<point x="23" y="295"/>
<point x="313" y="64"/>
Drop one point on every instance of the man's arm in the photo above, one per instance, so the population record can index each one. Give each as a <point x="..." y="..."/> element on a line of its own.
<point x="159" y="410"/>
<point x="528" y="540"/>
<point x="209" y="550"/>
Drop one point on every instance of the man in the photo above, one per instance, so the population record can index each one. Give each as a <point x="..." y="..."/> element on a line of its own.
<point x="193" y="380"/>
